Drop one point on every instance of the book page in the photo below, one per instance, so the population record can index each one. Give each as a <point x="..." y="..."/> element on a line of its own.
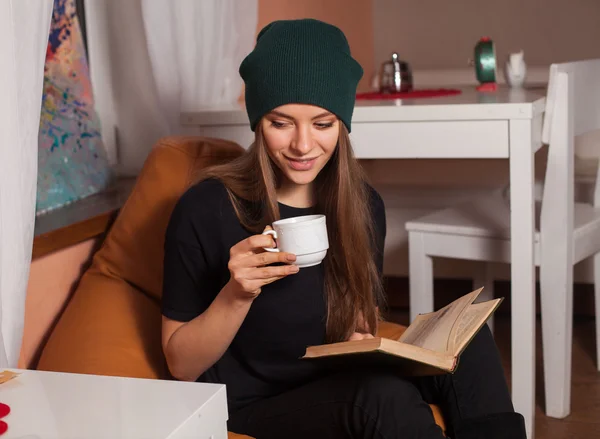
<point x="404" y="358"/>
<point x="474" y="317"/>
<point x="425" y="332"/>
<point x="432" y="331"/>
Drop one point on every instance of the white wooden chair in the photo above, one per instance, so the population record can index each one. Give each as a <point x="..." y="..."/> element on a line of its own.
<point x="566" y="232"/>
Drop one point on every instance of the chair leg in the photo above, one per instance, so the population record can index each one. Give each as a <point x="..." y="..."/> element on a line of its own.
<point x="597" y="302"/>
<point x="557" y="333"/>
<point x="420" y="276"/>
<point x="484" y="278"/>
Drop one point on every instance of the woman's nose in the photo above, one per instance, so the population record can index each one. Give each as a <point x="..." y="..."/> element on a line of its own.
<point x="303" y="141"/>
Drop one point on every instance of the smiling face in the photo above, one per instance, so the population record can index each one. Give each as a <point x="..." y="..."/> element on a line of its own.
<point x="300" y="139"/>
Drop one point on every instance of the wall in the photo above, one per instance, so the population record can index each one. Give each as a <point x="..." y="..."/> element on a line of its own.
<point x="52" y="279"/>
<point x="356" y="22"/>
<point x="442" y="34"/>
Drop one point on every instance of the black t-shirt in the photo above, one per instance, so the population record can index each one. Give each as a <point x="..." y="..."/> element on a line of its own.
<point x="288" y="315"/>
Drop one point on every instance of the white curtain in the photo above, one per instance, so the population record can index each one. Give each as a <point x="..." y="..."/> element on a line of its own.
<point x="152" y="59"/>
<point x="24" y="28"/>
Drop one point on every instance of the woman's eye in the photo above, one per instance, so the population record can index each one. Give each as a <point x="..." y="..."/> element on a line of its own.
<point x="324" y="125"/>
<point x="277" y="124"/>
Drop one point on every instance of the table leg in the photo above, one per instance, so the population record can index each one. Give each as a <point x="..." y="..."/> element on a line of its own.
<point x="522" y="221"/>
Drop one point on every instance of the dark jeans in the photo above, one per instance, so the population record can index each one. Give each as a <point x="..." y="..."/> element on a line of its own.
<point x="380" y="404"/>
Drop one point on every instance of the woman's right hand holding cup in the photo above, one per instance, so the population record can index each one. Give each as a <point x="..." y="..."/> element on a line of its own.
<point x="250" y="266"/>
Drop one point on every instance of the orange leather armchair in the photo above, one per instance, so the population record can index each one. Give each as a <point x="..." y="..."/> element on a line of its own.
<point x="112" y="324"/>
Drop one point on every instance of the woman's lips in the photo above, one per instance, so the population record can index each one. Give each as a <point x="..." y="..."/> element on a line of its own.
<point x="302" y="164"/>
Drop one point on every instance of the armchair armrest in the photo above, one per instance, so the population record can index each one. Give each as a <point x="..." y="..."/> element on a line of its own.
<point x="390" y="330"/>
<point x="108" y="328"/>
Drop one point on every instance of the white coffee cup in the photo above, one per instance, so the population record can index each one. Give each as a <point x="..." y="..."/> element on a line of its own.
<point x="305" y="236"/>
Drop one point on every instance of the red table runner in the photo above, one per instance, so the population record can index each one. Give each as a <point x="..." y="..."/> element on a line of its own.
<point x="414" y="94"/>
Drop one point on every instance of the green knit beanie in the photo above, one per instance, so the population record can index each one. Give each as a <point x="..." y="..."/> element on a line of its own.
<point x="302" y="61"/>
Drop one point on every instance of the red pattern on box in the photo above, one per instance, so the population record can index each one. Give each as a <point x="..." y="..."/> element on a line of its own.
<point x="4" y="411"/>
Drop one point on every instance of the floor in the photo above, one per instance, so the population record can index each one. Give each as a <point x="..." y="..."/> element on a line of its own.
<point x="584" y="420"/>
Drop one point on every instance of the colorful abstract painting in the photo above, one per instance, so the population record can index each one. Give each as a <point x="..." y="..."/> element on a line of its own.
<point x="72" y="161"/>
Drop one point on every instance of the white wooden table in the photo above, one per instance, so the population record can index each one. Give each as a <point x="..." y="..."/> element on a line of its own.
<point x="506" y="124"/>
<point x="52" y="405"/>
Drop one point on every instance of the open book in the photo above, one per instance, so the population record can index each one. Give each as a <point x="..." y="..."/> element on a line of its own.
<point x="431" y="345"/>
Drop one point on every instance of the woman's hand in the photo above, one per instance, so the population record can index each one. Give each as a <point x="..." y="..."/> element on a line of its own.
<point x="249" y="266"/>
<point x="359" y="336"/>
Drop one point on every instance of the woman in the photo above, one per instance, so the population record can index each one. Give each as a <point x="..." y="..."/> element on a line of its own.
<point x="235" y="314"/>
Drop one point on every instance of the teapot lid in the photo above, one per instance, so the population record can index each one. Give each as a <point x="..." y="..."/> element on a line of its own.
<point x="394" y="60"/>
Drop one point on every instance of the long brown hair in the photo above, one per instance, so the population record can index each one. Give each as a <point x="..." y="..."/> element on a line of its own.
<point x="352" y="283"/>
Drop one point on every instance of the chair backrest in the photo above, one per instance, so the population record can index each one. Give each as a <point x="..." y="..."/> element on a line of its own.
<point x="570" y="115"/>
<point x="133" y="249"/>
<point x="573" y="109"/>
<point x="586" y="92"/>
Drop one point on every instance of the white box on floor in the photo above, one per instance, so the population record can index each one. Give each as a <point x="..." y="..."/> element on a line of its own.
<point x="49" y="405"/>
